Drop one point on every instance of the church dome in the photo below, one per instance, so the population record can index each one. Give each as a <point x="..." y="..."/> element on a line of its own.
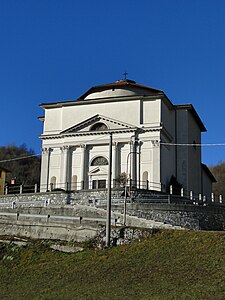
<point x="119" y="88"/>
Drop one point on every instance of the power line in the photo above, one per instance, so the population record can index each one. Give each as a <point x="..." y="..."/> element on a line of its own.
<point x="35" y="155"/>
<point x="193" y="144"/>
<point x="161" y="143"/>
<point x="19" y="158"/>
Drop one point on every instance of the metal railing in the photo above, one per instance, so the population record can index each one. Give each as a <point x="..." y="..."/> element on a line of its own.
<point x="76" y="186"/>
<point x="131" y="186"/>
<point x="52" y="217"/>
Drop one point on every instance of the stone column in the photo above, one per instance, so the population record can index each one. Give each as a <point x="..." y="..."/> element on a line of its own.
<point x="156" y="165"/>
<point x="45" y="168"/>
<point x="114" y="163"/>
<point x="133" y="163"/>
<point x="83" y="166"/>
<point x="139" y="164"/>
<point x="65" y="183"/>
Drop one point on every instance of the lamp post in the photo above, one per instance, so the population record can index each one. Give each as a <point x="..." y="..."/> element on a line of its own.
<point x="125" y="193"/>
<point x="108" y="218"/>
<point x="125" y="190"/>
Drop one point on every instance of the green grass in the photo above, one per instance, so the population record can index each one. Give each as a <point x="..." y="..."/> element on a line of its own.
<point x="169" y="265"/>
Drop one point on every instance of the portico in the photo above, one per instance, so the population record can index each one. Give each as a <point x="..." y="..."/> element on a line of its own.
<point x="85" y="166"/>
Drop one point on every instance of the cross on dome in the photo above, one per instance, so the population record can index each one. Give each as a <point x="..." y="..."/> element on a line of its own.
<point x="125" y="75"/>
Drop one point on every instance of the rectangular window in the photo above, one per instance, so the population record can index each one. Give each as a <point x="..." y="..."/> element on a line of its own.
<point x="98" y="184"/>
<point x="94" y="184"/>
<point x="101" y="184"/>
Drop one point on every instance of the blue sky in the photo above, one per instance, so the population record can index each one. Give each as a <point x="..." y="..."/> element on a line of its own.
<point x="55" y="50"/>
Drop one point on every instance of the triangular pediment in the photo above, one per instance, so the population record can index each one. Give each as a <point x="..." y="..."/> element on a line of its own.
<point x="91" y="125"/>
<point x="98" y="171"/>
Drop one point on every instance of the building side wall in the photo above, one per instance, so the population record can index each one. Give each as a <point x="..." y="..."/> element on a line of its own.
<point x="206" y="185"/>
<point x="188" y="157"/>
<point x="168" y="153"/>
<point x="182" y="152"/>
<point x="194" y="156"/>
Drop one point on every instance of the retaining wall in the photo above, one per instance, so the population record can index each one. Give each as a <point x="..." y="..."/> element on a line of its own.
<point x="197" y="217"/>
<point x="187" y="216"/>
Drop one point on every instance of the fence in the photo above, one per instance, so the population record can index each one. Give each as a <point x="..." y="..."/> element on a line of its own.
<point x="132" y="185"/>
<point x="21" y="189"/>
<point x="76" y="186"/>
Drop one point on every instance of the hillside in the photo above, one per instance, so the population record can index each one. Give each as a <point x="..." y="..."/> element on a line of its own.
<point x="169" y="265"/>
<point x="24" y="171"/>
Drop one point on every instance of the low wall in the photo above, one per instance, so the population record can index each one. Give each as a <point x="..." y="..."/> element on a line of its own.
<point x="197" y="217"/>
<point x="95" y="197"/>
<point x="51" y="223"/>
<point x="187" y="216"/>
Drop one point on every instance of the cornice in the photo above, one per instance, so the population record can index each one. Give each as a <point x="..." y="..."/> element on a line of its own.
<point x="99" y="100"/>
<point x="88" y="133"/>
<point x="99" y="133"/>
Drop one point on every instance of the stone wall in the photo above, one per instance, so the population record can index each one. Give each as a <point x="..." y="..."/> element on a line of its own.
<point x="123" y="235"/>
<point x="187" y="216"/>
<point x="197" y="217"/>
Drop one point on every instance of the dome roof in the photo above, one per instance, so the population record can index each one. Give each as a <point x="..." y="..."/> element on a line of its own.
<point x="119" y="88"/>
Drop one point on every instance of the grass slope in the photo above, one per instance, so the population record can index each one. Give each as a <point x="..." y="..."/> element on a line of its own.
<point x="169" y="265"/>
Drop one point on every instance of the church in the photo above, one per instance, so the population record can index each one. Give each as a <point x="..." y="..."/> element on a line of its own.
<point x="153" y="141"/>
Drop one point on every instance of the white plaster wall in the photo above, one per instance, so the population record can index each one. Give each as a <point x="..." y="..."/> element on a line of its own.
<point x="125" y="149"/>
<point x="150" y="159"/>
<point x="56" y="166"/>
<point x="76" y="163"/>
<point x="116" y="92"/>
<point x="122" y="111"/>
<point x="59" y="119"/>
<point x="53" y="120"/>
<point x="146" y="159"/>
<point x="151" y="112"/>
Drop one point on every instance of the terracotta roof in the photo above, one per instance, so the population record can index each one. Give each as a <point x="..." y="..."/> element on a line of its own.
<point x="98" y="88"/>
<point x="119" y="83"/>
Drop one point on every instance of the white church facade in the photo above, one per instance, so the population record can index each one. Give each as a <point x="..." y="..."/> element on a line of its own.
<point x="148" y="133"/>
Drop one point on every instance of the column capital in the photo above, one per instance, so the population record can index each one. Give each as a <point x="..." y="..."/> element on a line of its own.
<point x="46" y="150"/>
<point x="83" y="146"/>
<point x="65" y="148"/>
<point x="155" y="143"/>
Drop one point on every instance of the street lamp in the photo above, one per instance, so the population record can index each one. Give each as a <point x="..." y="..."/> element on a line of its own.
<point x="125" y="190"/>
<point x="108" y="217"/>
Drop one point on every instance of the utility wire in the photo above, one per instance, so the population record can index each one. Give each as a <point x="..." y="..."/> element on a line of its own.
<point x="166" y="144"/>
<point x="35" y="155"/>
<point x="193" y="144"/>
<point x="18" y="158"/>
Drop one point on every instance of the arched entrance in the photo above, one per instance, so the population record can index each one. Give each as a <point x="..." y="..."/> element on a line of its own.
<point x="98" y="171"/>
